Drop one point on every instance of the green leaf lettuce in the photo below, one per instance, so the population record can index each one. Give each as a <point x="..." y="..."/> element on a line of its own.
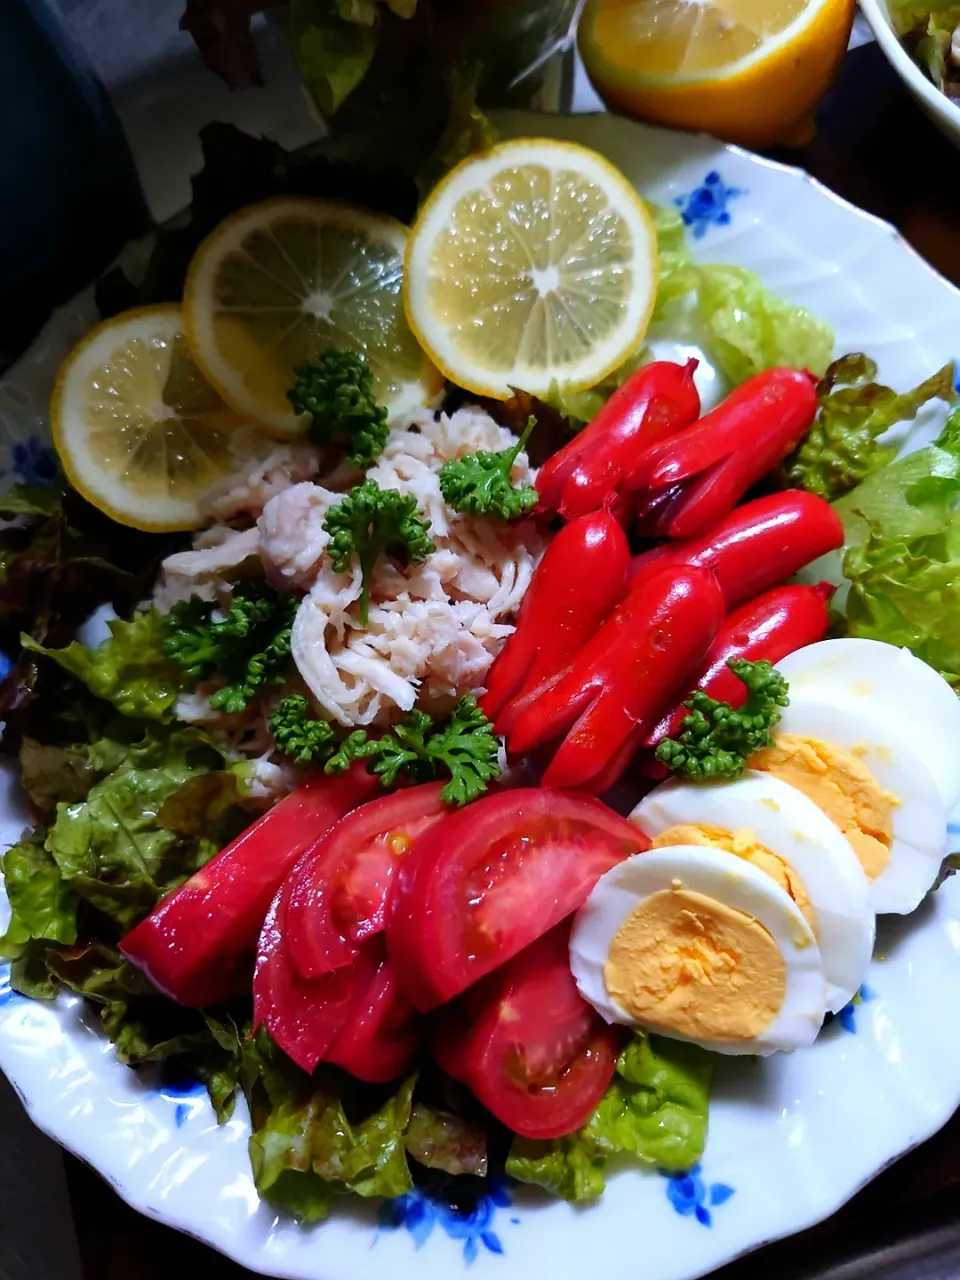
<point x="655" y="1110"/>
<point x="842" y="448"/>
<point x="129" y="669"/>
<point x="114" y="849"/>
<point x="305" y="1150"/>
<point x="902" y="554"/>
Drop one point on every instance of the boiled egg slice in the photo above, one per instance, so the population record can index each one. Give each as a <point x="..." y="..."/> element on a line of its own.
<point x="887" y="680"/>
<point x="862" y="774"/>
<point x="781" y="832"/>
<point x="699" y="945"/>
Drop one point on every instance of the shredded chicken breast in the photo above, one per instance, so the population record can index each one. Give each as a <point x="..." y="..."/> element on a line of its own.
<point x="201" y="572"/>
<point x="434" y="628"/>
<point x="267" y="468"/>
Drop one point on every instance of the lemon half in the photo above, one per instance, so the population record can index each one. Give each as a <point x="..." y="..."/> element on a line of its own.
<point x="749" y="71"/>
<point x="139" y="431"/>
<point x="532" y="262"/>
<point x="278" y="283"/>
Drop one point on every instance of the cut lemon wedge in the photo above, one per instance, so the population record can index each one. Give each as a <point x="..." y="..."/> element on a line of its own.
<point x="750" y="71"/>
<point x="279" y="283"/>
<point x="532" y="262"/>
<point x="139" y="431"/>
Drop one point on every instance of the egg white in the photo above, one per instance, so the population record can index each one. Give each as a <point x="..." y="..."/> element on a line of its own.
<point x="725" y="878"/>
<point x="888" y="681"/>
<point x="790" y="825"/>
<point x="919" y="820"/>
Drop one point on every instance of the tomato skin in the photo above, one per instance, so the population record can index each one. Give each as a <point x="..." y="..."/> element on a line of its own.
<point x="197" y="945"/>
<point x="382" y="1035"/>
<point x="492" y="878"/>
<point x="304" y="1015"/>
<point x="528" y="1045"/>
<point x="337" y="892"/>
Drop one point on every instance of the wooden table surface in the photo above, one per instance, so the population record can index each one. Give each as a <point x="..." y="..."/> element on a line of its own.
<point x="874" y="148"/>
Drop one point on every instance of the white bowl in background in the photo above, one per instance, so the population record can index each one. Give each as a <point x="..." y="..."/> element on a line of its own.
<point x="944" y="113"/>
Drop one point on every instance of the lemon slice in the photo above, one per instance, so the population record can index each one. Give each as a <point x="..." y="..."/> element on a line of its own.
<point x="139" y="431"/>
<point x="532" y="262"/>
<point x="750" y="71"/>
<point x="279" y="283"/>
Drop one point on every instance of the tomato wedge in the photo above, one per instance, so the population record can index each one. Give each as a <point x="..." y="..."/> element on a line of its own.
<point x="305" y="1015"/>
<point x="382" y="1034"/>
<point x="197" y="945"/>
<point x="338" y="890"/>
<point x="490" y="879"/>
<point x="529" y="1046"/>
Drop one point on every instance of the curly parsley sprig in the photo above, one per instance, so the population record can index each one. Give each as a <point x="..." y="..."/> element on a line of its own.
<point x="249" y="644"/>
<point x="419" y="748"/>
<point x="371" y="522"/>
<point x="337" y="392"/>
<point x="715" y="739"/>
<point x="479" y="483"/>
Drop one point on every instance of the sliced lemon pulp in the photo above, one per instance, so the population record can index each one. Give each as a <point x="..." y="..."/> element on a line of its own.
<point x="532" y="262"/>
<point x="750" y="71"/>
<point x="279" y="283"/>
<point x="139" y="431"/>
<point x="690" y="37"/>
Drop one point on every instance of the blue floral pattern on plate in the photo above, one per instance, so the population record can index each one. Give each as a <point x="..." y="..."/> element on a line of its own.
<point x="7" y="993"/>
<point x="33" y="461"/>
<point x="692" y="1197"/>
<point x="419" y="1212"/>
<point x="189" y="1095"/>
<point x="706" y="205"/>
<point x="847" y="1017"/>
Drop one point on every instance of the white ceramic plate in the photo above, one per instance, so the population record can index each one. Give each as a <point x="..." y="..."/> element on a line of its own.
<point x="791" y="1138"/>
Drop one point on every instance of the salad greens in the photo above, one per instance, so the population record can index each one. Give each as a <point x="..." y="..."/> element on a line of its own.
<point x="141" y="830"/>
<point x="655" y="1110"/>
<point x="305" y="1150"/>
<point x="842" y="448"/>
<point x="745" y="328"/>
<point x="927" y="29"/>
<point x="440" y="1139"/>
<point x="128" y="809"/>
<point x="60" y="559"/>
<point x="715" y="739"/>
<point x="398" y="81"/>
<point x="130" y="669"/>
<point x="902" y="555"/>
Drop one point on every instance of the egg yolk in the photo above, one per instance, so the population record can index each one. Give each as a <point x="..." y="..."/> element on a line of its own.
<point x="687" y="964"/>
<point x="744" y="845"/>
<point x="843" y="787"/>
